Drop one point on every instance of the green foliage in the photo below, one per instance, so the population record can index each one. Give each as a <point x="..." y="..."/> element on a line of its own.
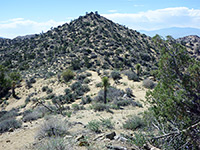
<point x="99" y="125"/>
<point x="175" y="100"/>
<point x="138" y="69"/>
<point x="133" y="123"/>
<point x="94" y="126"/>
<point x="105" y="83"/>
<point x="5" y="82"/>
<point x="68" y="75"/>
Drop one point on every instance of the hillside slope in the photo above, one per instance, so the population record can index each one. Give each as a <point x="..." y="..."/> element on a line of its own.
<point x="90" y="41"/>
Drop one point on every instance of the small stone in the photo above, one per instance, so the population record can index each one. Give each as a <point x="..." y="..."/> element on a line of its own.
<point x="84" y="143"/>
<point x="80" y="137"/>
<point x="111" y="135"/>
<point x="7" y="141"/>
<point x="11" y="130"/>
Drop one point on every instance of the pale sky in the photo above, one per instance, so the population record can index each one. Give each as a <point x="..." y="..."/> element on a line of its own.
<point x="22" y="17"/>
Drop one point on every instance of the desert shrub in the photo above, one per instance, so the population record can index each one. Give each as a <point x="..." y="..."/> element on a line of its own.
<point x="67" y="91"/>
<point x="100" y="106"/>
<point x="106" y="123"/>
<point x="34" y="115"/>
<point x="112" y="94"/>
<point x="132" y="75"/>
<point x="86" y="81"/>
<point x="76" y="85"/>
<point x="129" y="92"/>
<point x="53" y="144"/>
<point x="85" y="88"/>
<point x="115" y="75"/>
<point x="81" y="77"/>
<point x="123" y="102"/>
<point x="44" y="88"/>
<point x="133" y="123"/>
<point x="86" y="100"/>
<point x="99" y="84"/>
<point x="53" y="127"/>
<point x="136" y="103"/>
<point x="27" y="100"/>
<point x="68" y="75"/>
<point x="147" y="83"/>
<point x="9" y="114"/>
<point x="77" y="107"/>
<point x="50" y="96"/>
<point x="94" y="126"/>
<point x="7" y="124"/>
<point x="88" y="74"/>
<point x="49" y="91"/>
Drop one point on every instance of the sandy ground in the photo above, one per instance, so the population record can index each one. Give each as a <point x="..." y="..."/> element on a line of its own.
<point x="22" y="138"/>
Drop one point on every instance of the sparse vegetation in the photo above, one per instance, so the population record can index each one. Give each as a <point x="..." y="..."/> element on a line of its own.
<point x="133" y="123"/>
<point x="7" y="124"/>
<point x="53" y="127"/>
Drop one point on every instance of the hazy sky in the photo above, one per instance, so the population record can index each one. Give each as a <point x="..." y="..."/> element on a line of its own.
<point x="21" y="17"/>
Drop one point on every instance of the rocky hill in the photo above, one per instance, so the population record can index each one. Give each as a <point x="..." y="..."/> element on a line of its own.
<point x="192" y="43"/>
<point x="90" y="41"/>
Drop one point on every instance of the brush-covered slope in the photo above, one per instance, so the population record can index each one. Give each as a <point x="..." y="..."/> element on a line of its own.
<point x="91" y="41"/>
<point x="192" y="43"/>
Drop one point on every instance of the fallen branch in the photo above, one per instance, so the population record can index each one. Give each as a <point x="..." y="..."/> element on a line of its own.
<point x="177" y="132"/>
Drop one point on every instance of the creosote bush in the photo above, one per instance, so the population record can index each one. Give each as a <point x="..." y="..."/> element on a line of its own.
<point x="68" y="75"/>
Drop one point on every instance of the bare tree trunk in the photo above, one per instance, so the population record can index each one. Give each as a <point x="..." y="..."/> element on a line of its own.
<point x="105" y="95"/>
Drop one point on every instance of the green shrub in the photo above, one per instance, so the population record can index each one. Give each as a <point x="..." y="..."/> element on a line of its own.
<point x="77" y="107"/>
<point x="68" y="75"/>
<point x="106" y="123"/>
<point x="94" y="126"/>
<point x="133" y="123"/>
<point x="86" y="100"/>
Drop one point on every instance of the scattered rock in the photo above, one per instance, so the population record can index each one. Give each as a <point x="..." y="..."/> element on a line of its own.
<point x="80" y="137"/>
<point x="111" y="135"/>
<point x="120" y="138"/>
<point x="83" y="143"/>
<point x="8" y="141"/>
<point x="11" y="130"/>
<point x="116" y="147"/>
<point x="68" y="137"/>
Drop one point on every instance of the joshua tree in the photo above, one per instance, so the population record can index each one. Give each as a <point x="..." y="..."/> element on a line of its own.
<point x="138" y="69"/>
<point x="105" y="83"/>
<point x="15" y="77"/>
